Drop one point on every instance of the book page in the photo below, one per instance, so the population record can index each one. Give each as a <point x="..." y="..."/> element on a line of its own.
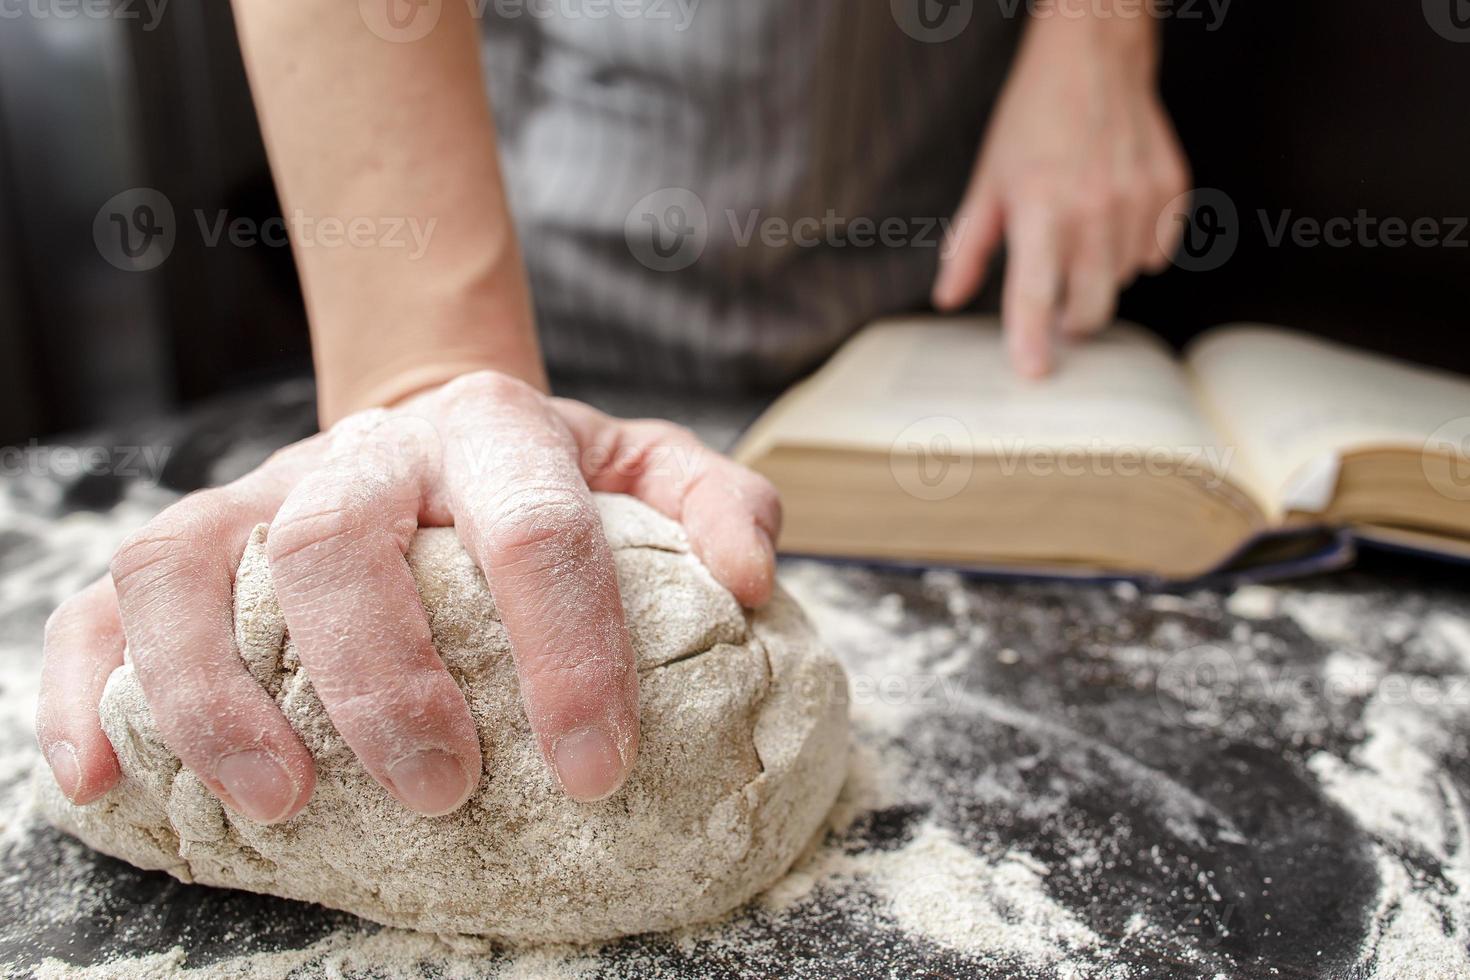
<point x="930" y="382"/>
<point x="1296" y="405"/>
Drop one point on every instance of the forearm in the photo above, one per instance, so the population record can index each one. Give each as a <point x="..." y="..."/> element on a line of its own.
<point x="397" y="141"/>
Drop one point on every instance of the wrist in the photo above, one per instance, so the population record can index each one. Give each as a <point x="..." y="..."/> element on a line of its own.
<point x="376" y="348"/>
<point x="404" y="383"/>
<point x="1124" y="32"/>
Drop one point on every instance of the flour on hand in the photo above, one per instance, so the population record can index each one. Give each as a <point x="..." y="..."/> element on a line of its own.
<point x="743" y="749"/>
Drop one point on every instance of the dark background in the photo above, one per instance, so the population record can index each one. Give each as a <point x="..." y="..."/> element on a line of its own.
<point x="1320" y="109"/>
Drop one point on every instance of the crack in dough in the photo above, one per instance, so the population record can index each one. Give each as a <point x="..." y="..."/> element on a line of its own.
<point x="744" y="735"/>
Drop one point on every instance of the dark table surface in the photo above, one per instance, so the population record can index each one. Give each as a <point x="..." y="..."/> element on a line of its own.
<point x="1048" y="779"/>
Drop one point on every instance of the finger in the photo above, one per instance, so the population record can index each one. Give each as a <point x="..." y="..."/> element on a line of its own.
<point x="1171" y="205"/>
<point x="1126" y="223"/>
<point x="732" y="515"/>
<point x="174" y="581"/>
<point x="1167" y="232"/>
<point x="524" y="512"/>
<point x="84" y="644"/>
<point x="1032" y="281"/>
<point x="337" y="555"/>
<point x="968" y="247"/>
<point x="1091" y="283"/>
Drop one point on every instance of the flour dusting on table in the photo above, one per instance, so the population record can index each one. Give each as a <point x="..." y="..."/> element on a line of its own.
<point x="1051" y="780"/>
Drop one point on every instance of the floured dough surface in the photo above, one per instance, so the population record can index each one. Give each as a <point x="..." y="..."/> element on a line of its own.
<point x="744" y="740"/>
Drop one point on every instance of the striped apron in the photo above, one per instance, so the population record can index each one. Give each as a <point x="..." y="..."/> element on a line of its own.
<point x="715" y="193"/>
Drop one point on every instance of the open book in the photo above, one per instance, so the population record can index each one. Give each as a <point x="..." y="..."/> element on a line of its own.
<point x="916" y="442"/>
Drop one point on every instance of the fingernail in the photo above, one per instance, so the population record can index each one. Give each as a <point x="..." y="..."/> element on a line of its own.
<point x="765" y="546"/>
<point x="431" y="782"/>
<point x="588" y="765"/>
<point x="762" y="584"/>
<point x="64" y="766"/>
<point x="258" y="784"/>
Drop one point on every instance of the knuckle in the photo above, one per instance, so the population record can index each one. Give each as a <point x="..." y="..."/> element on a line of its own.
<point x="71" y="610"/>
<point x="537" y="518"/>
<point x="662" y="449"/>
<point x="1133" y="195"/>
<point x="412" y="698"/>
<point x="1096" y="204"/>
<point x="173" y="543"/>
<point x="150" y="558"/>
<point x="300" y="539"/>
<point x="664" y="431"/>
<point x="595" y="679"/>
<point x="491" y="386"/>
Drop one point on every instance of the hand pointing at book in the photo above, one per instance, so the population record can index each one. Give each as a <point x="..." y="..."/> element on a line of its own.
<point x="1077" y="168"/>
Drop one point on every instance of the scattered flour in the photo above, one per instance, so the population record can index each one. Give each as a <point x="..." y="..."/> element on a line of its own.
<point x="1254" y="602"/>
<point x="994" y="908"/>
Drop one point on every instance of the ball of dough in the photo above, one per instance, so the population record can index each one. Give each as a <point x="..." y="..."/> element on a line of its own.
<point x="744" y="742"/>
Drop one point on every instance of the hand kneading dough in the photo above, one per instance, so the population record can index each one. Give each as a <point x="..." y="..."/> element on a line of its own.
<point x="744" y="741"/>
